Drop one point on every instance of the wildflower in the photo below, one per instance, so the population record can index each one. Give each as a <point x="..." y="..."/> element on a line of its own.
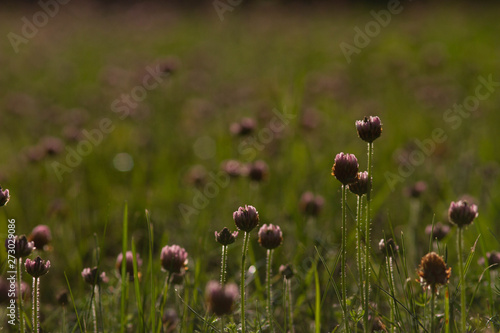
<point x="369" y="129"/>
<point x="129" y="264"/>
<point x="389" y="247"/>
<point x="246" y="218"/>
<point x="41" y="236"/>
<point x="258" y="171"/>
<point x="4" y="197"/>
<point x="232" y="168"/>
<point x="173" y="258"/>
<point x="52" y="146"/>
<point x="37" y="267"/>
<point x="345" y="168"/>
<point x="461" y="213"/>
<point x="22" y="248"/>
<point x="433" y="271"/>
<point x="62" y="298"/>
<point x="310" y="204"/>
<point x="90" y="276"/>
<point x="220" y="299"/>
<point x="493" y="260"/>
<point x="416" y="190"/>
<point x="225" y="237"/>
<point x="286" y="271"/>
<point x="361" y="185"/>
<point x="438" y="231"/>
<point x="270" y="236"/>
<point x="245" y="127"/>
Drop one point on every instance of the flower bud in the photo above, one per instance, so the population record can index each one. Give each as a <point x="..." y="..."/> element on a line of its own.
<point x="129" y="264"/>
<point x="41" y="236"/>
<point x="246" y="218"/>
<point x="311" y="205"/>
<point x="369" y="129"/>
<point x="345" y="168"/>
<point x="286" y="271"/>
<point x="220" y="299"/>
<point x="389" y="247"/>
<point x="4" y="197"/>
<point x="416" y="190"/>
<point x="245" y="127"/>
<point x="438" y="232"/>
<point x="173" y="258"/>
<point x="225" y="237"/>
<point x="22" y="248"/>
<point x="258" y="171"/>
<point x="90" y="276"/>
<point x="361" y="185"/>
<point x="270" y="236"/>
<point x="461" y="213"/>
<point x="37" y="267"/>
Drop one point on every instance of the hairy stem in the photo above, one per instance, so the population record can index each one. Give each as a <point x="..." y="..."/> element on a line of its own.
<point x="269" y="290"/>
<point x="343" y="259"/>
<point x="223" y="265"/>
<point x="242" y="281"/>
<point x="433" y="299"/>
<point x="462" y="283"/>
<point x="20" y="309"/>
<point x="36" y="305"/>
<point x="359" y="249"/>
<point x="367" y="241"/>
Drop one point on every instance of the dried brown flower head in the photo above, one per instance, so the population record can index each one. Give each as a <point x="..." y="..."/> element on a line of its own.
<point x="433" y="271"/>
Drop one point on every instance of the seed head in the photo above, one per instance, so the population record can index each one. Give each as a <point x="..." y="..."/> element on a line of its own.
<point x="41" y="236"/>
<point x="220" y="299"/>
<point x="440" y="231"/>
<point x="90" y="276"/>
<point x="345" y="168"/>
<point x="433" y="271"/>
<point x="311" y="205"/>
<point x="173" y="258"/>
<point x="286" y="271"/>
<point x="246" y="218"/>
<point x="362" y="185"/>
<point x="369" y="129"/>
<point x="461" y="213"/>
<point x="4" y="197"/>
<point x="22" y="248"/>
<point x="225" y="237"/>
<point x="129" y="264"/>
<point x="270" y="236"/>
<point x="37" y="267"/>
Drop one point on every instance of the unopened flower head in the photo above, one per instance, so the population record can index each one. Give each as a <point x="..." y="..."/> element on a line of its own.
<point x="37" y="267"/>
<point x="245" y="127"/>
<point x="270" y="236"/>
<point x="258" y="171"/>
<point x="438" y="230"/>
<point x="225" y="237"/>
<point x="4" y="197"/>
<point x="41" y="236"/>
<point x="461" y="213"/>
<point x="416" y="190"/>
<point x="286" y="271"/>
<point x="493" y="260"/>
<point x="173" y="258"/>
<point x="91" y="276"/>
<point x="388" y="247"/>
<point x="246" y="218"/>
<point x="362" y="185"/>
<point x="129" y="264"/>
<point x="310" y="204"/>
<point x="433" y="271"/>
<point x="345" y="168"/>
<point x="220" y="299"/>
<point x="232" y="168"/>
<point x="63" y="298"/>
<point x="369" y="129"/>
<point x="22" y="248"/>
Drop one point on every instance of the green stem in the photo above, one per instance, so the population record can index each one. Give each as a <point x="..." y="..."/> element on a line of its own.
<point x="20" y="309"/>
<point x="94" y="313"/>
<point x="242" y="281"/>
<point x="433" y="299"/>
<point x="285" y="303"/>
<point x="343" y="259"/>
<point x="164" y="300"/>
<point x="358" y="246"/>
<point x="36" y="306"/>
<point x="462" y="282"/>
<point x="290" y="304"/>
<point x="269" y="290"/>
<point x="223" y="265"/>
<point x="367" y="241"/>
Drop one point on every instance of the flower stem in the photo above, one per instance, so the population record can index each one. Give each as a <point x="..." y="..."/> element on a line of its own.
<point x="433" y="299"/>
<point x="367" y="241"/>
<point x="343" y="259"/>
<point x="290" y="304"/>
<point x="164" y="299"/>
<point x="462" y="282"/>
<point x="269" y="290"/>
<point x="242" y="282"/>
<point x="358" y="246"/>
<point x="94" y="313"/>
<point x="20" y="295"/>
<point x="36" y="306"/>
<point x="223" y="265"/>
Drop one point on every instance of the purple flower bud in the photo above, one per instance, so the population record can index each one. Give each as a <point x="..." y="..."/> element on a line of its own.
<point x="232" y="167"/>
<point x="41" y="236"/>
<point x="225" y="237"/>
<point x="461" y="213"/>
<point x="310" y="204"/>
<point x="220" y="299"/>
<point x="52" y="146"/>
<point x="129" y="264"/>
<point x="440" y="231"/>
<point x="345" y="168"/>
<point x="37" y="267"/>
<point x="270" y="236"/>
<point x="246" y="218"/>
<point x="91" y="276"/>
<point x="4" y="197"/>
<point x="362" y="185"/>
<point x="22" y="248"/>
<point x="493" y="260"/>
<point x="173" y="258"/>
<point x="246" y="126"/>
<point x="258" y="171"/>
<point x="416" y="190"/>
<point x="286" y="271"/>
<point x="388" y="247"/>
<point x="369" y="129"/>
<point x="62" y="298"/>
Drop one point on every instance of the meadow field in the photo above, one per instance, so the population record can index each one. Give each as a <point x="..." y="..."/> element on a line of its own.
<point x="122" y="126"/>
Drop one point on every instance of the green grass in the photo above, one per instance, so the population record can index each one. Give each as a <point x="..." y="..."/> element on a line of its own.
<point x="259" y="59"/>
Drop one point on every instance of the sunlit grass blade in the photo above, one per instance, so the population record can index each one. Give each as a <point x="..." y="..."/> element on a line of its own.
<point x="124" y="282"/>
<point x="73" y="301"/>
<point x="138" y="298"/>
<point x="317" y="310"/>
